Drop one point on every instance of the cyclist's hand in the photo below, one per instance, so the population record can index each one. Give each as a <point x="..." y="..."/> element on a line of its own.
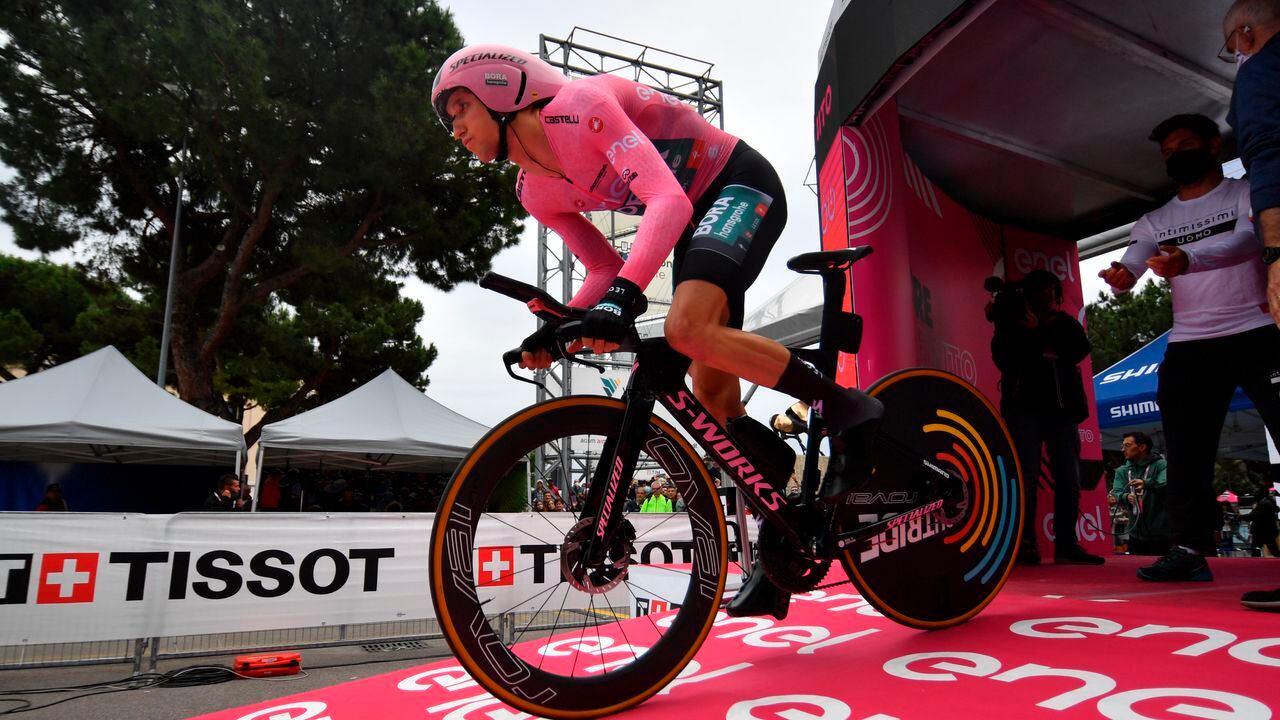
<point x="606" y="324"/>
<point x="539" y="360"/>
<point x="536" y="349"/>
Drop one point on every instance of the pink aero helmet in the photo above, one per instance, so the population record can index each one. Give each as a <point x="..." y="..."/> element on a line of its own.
<point x="503" y="78"/>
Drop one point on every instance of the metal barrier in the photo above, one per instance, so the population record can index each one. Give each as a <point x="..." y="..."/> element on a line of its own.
<point x="149" y="651"/>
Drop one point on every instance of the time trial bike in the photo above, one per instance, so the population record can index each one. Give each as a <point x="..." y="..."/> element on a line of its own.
<point x="595" y="623"/>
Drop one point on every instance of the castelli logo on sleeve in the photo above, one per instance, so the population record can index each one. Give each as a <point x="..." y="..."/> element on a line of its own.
<point x="595" y="124"/>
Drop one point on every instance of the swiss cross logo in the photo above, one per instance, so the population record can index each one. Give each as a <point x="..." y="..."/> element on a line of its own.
<point x="496" y="566"/>
<point x="67" y="578"/>
<point x="761" y="209"/>
<point x="595" y="124"/>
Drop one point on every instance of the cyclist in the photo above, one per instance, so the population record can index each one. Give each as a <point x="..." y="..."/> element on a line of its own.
<point x="607" y="143"/>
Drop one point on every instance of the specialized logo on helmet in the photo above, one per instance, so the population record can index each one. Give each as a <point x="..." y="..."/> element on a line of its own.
<point x="476" y="57"/>
<point x="495" y="78"/>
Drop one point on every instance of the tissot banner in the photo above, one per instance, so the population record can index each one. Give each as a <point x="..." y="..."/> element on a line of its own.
<point x="82" y="577"/>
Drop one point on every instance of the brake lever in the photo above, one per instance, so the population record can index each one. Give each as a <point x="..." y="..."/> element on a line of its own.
<point x="567" y="333"/>
<point x="511" y="357"/>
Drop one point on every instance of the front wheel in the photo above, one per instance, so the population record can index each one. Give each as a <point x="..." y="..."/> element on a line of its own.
<point x="939" y="568"/>
<point x="513" y="602"/>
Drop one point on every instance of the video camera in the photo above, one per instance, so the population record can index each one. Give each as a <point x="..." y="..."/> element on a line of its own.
<point x="1008" y="304"/>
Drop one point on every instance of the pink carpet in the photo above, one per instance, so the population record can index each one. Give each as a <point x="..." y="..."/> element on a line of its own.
<point x="1059" y="642"/>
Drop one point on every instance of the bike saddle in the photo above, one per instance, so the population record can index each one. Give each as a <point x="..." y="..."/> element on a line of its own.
<point x="828" y="260"/>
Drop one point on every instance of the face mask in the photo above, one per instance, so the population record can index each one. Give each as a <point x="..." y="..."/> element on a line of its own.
<point x="1188" y="166"/>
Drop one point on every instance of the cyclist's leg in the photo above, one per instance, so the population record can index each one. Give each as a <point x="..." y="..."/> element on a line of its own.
<point x="727" y="249"/>
<point x="702" y="308"/>
<point x="719" y="391"/>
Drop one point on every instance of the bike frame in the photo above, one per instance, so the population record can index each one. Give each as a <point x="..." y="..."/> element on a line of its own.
<point x="658" y="377"/>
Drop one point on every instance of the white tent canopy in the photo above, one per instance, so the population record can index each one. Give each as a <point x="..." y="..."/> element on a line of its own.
<point x="385" y="424"/>
<point x="100" y="408"/>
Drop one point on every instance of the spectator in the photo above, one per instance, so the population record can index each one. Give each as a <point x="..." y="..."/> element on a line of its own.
<point x="53" y="500"/>
<point x="635" y="503"/>
<point x="1263" y="531"/>
<point x="658" y="501"/>
<point x="226" y="497"/>
<point x="1248" y="30"/>
<point x="559" y="505"/>
<point x="270" y="490"/>
<point x="350" y="502"/>
<point x="1222" y="335"/>
<point x="1037" y="348"/>
<point x="539" y="489"/>
<point x="677" y="503"/>
<point x="1139" y="484"/>
<point x="539" y="506"/>
<point x="1229" y="528"/>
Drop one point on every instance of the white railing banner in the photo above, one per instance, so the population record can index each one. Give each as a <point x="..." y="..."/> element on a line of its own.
<point x="82" y="577"/>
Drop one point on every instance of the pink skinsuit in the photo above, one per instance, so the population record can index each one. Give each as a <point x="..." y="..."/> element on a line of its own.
<point x="626" y="147"/>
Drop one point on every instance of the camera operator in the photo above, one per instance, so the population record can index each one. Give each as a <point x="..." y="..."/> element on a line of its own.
<point x="1037" y="348"/>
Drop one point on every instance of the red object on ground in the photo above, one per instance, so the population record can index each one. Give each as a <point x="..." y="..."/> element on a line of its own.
<point x="268" y="665"/>
<point x="1060" y="642"/>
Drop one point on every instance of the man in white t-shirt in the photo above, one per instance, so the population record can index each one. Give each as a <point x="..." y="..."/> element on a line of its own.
<point x="1223" y="336"/>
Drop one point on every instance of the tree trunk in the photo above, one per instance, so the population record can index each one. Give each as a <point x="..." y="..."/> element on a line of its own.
<point x="195" y="376"/>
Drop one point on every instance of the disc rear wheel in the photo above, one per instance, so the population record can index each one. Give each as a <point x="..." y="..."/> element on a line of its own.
<point x="938" y="568"/>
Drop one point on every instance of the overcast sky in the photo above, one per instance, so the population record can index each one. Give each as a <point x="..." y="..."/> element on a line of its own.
<point x="767" y="60"/>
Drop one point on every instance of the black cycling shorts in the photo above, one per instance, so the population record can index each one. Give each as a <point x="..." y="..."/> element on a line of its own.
<point x="735" y="224"/>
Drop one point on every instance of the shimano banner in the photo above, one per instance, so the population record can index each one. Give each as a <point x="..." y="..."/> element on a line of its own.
<point x="81" y="577"/>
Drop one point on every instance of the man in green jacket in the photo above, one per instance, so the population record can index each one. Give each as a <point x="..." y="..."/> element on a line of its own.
<point x="1140" y="485"/>
<point x="658" y="501"/>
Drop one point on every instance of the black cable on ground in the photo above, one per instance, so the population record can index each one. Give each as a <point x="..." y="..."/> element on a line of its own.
<point x="192" y="676"/>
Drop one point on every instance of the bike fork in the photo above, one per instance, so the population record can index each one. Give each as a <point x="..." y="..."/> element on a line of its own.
<point x="608" y="492"/>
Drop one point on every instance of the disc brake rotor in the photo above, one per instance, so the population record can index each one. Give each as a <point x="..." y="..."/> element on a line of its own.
<point x="598" y="577"/>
